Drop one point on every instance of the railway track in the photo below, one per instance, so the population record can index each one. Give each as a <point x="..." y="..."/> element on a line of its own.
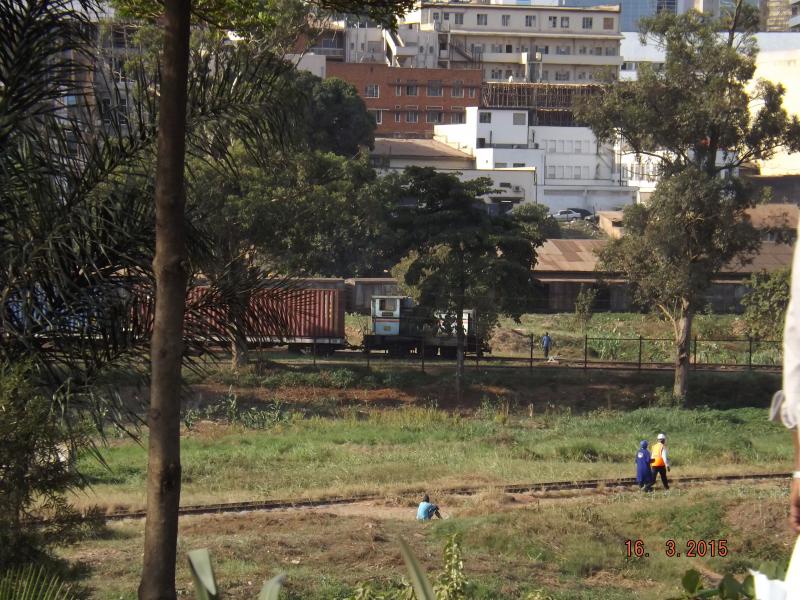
<point x="543" y="487"/>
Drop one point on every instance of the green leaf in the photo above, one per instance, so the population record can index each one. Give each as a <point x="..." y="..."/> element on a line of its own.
<point x="422" y="587"/>
<point x="205" y="584"/>
<point x="749" y="587"/>
<point x="272" y="588"/>
<point x="729" y="588"/>
<point x="691" y="581"/>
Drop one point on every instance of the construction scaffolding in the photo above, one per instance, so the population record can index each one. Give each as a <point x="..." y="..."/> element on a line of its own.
<point x="546" y="103"/>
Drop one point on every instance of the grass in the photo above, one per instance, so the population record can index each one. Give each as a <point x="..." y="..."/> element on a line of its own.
<point x="386" y="451"/>
<point x="562" y="549"/>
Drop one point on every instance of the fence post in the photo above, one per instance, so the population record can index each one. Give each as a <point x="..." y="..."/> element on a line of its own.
<point x="585" y="350"/>
<point x="530" y="364"/>
<point x="695" y="353"/>
<point x="750" y="352"/>
<point x="640" y="352"/>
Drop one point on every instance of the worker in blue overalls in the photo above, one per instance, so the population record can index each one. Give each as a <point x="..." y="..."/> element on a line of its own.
<point x="644" y="476"/>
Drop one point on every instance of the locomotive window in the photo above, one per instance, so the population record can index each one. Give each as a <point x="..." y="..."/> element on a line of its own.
<point x="388" y="304"/>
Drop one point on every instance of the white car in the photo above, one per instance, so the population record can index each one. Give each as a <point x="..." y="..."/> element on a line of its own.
<point x="567" y="215"/>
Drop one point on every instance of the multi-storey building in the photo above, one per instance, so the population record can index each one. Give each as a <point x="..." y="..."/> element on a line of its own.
<point x="775" y="15"/>
<point x="523" y="43"/>
<point x="411" y="101"/>
<point x="794" y="17"/>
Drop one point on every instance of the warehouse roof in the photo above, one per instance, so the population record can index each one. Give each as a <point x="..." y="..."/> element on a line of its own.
<point x="580" y="257"/>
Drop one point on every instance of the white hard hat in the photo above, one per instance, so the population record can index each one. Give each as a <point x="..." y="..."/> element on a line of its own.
<point x="661" y="436"/>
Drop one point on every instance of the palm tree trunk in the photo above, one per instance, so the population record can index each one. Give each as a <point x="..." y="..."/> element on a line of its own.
<point x="166" y="349"/>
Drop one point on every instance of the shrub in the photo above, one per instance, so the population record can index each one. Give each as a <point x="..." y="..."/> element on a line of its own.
<point x="36" y="470"/>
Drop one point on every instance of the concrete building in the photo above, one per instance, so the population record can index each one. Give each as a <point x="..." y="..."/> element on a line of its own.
<point x="775" y="15"/>
<point x="573" y="170"/>
<point x="527" y="42"/>
<point x="794" y="16"/>
<point x="410" y="102"/>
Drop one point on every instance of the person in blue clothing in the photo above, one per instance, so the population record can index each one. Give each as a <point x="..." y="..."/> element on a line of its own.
<point x="547" y="341"/>
<point x="644" y="476"/>
<point x="426" y="510"/>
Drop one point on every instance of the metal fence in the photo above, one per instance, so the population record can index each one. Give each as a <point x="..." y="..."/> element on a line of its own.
<point x="634" y="353"/>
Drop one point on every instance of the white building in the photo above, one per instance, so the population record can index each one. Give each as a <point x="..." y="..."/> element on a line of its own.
<point x="526" y="42"/>
<point x="572" y="169"/>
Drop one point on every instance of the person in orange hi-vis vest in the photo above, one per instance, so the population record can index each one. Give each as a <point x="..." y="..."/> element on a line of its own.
<point x="659" y="461"/>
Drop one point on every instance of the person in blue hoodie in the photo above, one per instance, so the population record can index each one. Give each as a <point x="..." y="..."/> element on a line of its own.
<point x="644" y="476"/>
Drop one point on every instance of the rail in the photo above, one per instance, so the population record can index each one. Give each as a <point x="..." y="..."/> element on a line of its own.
<point x="516" y="488"/>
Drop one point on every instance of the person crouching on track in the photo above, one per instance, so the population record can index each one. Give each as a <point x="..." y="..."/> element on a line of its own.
<point x="426" y="510"/>
<point x="659" y="461"/>
<point x="644" y="476"/>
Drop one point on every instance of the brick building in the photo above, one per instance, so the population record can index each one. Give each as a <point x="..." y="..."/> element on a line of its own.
<point x="408" y="102"/>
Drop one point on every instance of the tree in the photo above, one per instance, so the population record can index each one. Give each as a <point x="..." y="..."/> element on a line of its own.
<point x="335" y="118"/>
<point x="163" y="480"/>
<point x="697" y="118"/>
<point x="765" y="303"/>
<point x="463" y="256"/>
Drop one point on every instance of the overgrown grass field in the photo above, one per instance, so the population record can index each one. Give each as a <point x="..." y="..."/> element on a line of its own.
<point x="388" y="451"/>
<point x="515" y="548"/>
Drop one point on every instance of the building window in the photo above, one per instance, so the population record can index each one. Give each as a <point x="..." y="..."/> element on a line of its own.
<point x="510" y="49"/>
<point x="398" y="117"/>
<point x="458" y="18"/>
<point x="412" y="116"/>
<point x="457" y="118"/>
<point x="509" y="73"/>
<point x="485" y="117"/>
<point x="457" y="90"/>
<point x="564" y="22"/>
<point x="530" y="20"/>
<point x="553" y="21"/>
<point x="545" y="75"/>
<point x="587" y="22"/>
<point x="519" y="118"/>
<point x="551" y="145"/>
<point x="562" y="49"/>
<point x="411" y="88"/>
<point x="377" y="115"/>
<point x="611" y="51"/>
<point x="543" y="49"/>
<point x="497" y="74"/>
<point x="576" y="173"/>
<point x="436" y="16"/>
<point x="551" y="172"/>
<point x="608" y="23"/>
<point x="435" y="116"/>
<point x="582" y="50"/>
<point x="398" y="90"/>
<point x="519" y="165"/>
<point x="500" y="165"/>
<point x="372" y="90"/>
<point x="506" y="20"/>
<point x="446" y="16"/>
<point x="471" y="92"/>
<point x="482" y="19"/>
<point x="434" y="88"/>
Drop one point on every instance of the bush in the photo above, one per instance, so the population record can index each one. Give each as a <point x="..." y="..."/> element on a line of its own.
<point x="36" y="470"/>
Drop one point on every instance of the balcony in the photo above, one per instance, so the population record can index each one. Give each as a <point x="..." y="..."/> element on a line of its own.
<point x="335" y="52"/>
<point x="582" y="59"/>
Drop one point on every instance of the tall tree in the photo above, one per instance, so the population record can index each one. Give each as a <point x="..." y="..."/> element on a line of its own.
<point x="161" y="526"/>
<point x="463" y="257"/>
<point x="700" y="118"/>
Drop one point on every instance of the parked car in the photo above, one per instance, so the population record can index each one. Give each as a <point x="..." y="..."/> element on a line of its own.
<point x="567" y="215"/>
<point x="585" y="214"/>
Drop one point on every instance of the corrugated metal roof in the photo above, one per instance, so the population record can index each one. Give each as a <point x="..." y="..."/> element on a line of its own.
<point x="580" y="256"/>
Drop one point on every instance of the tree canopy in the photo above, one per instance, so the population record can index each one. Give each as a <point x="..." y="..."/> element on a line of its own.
<point x="700" y="118"/>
